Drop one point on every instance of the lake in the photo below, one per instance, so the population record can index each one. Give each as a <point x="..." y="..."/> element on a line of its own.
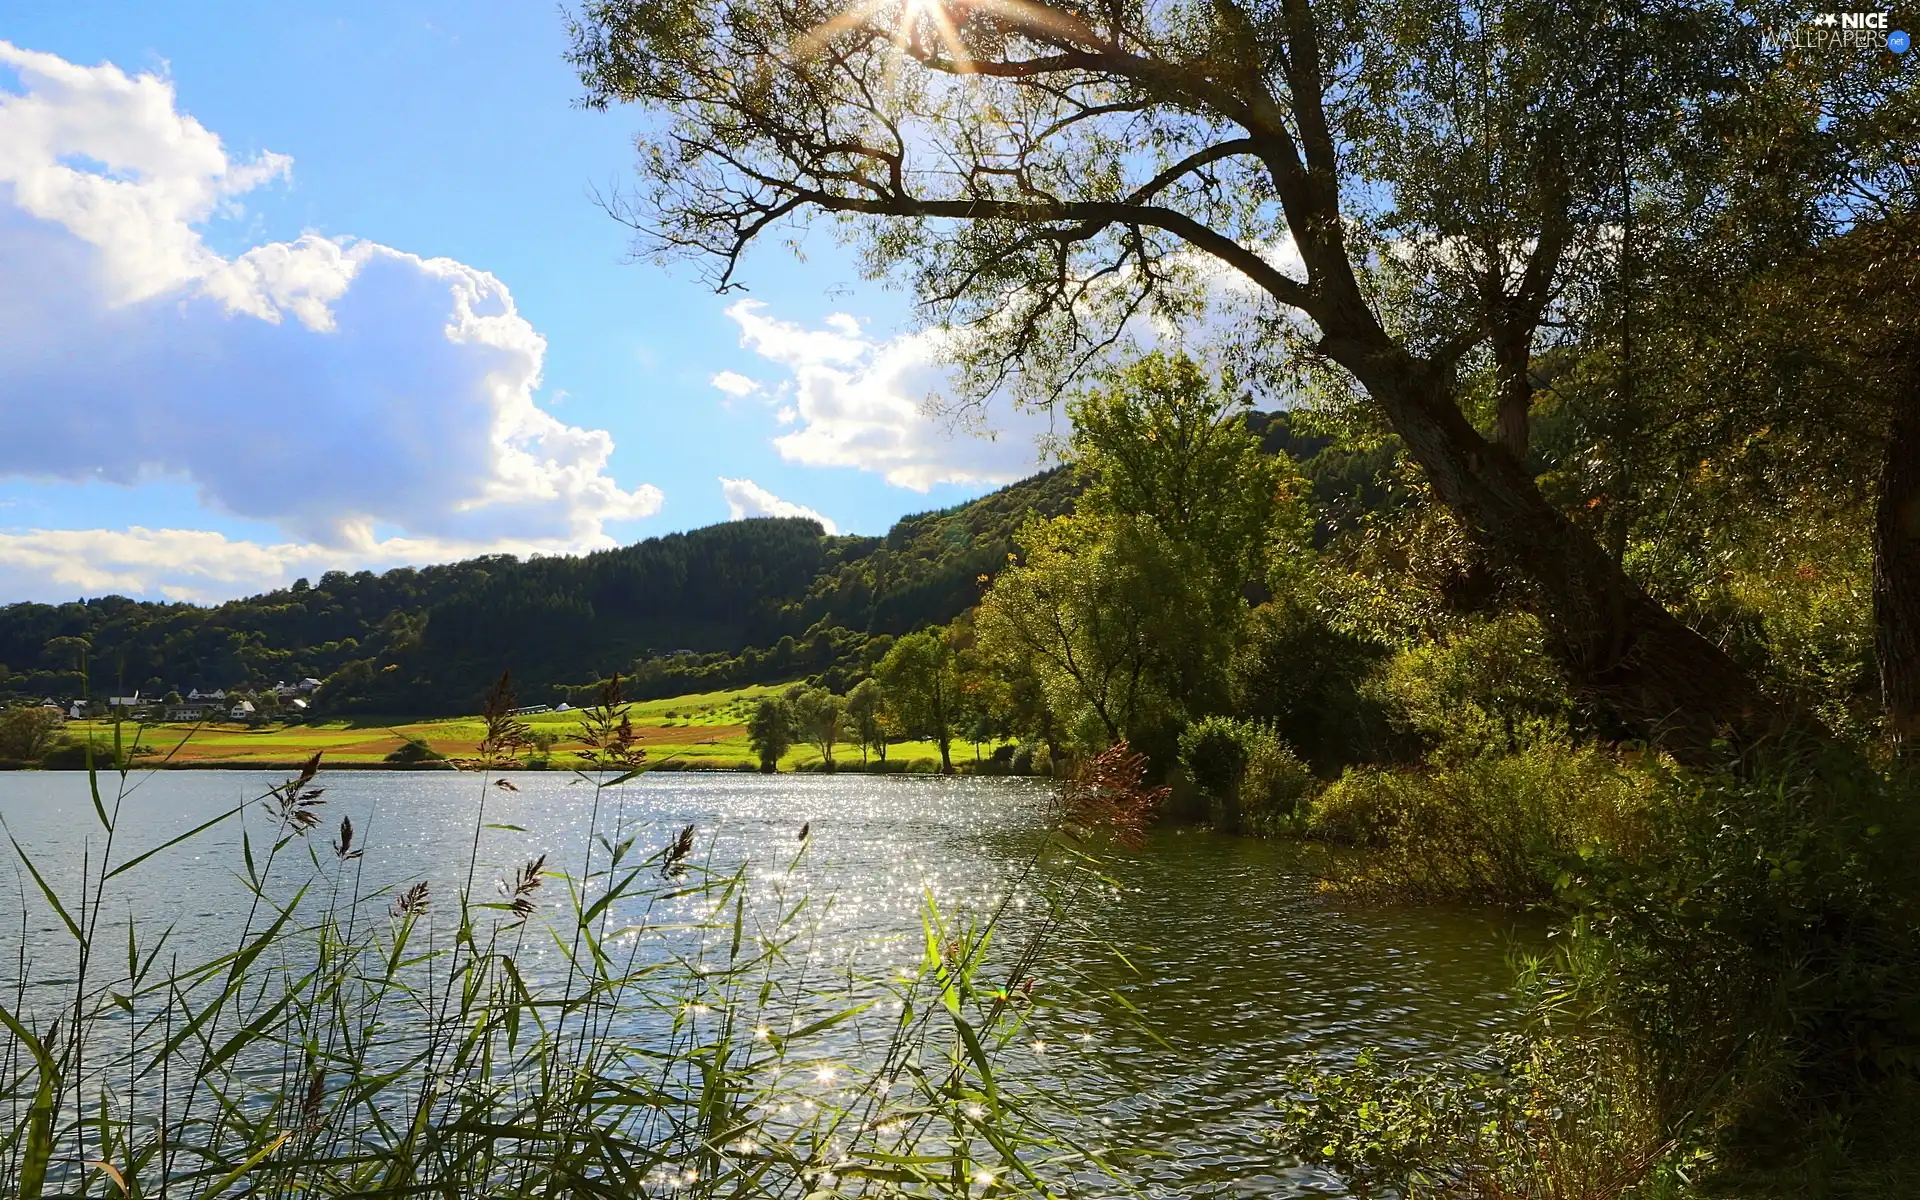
<point x="1241" y="964"/>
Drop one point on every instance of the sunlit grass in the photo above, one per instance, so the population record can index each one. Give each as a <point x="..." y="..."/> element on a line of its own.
<point x="704" y="729"/>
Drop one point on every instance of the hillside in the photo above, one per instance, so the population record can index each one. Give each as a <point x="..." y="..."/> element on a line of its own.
<point x="727" y="606"/>
<point x="673" y="610"/>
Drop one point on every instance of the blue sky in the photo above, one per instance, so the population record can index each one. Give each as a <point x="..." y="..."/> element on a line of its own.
<point x="288" y="287"/>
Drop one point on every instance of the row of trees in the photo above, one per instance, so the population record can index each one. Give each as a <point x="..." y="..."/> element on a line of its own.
<point x="917" y="689"/>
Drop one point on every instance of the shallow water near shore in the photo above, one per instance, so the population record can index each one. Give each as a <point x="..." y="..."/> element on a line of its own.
<point x="1237" y="963"/>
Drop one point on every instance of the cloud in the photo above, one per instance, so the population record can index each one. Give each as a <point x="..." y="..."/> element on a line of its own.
<point x="194" y="564"/>
<point x="862" y="403"/>
<point x="328" y="386"/>
<point x="745" y="498"/>
<point x="734" y="384"/>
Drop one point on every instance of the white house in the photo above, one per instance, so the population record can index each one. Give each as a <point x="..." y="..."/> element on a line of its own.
<point x="242" y="710"/>
<point x="211" y="697"/>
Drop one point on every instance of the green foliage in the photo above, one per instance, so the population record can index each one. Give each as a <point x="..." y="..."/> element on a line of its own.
<point x="1255" y="782"/>
<point x="1493" y="829"/>
<point x="1276" y="787"/>
<point x="1298" y="671"/>
<point x="1158" y="440"/>
<point x="921" y="681"/>
<point x="1763" y="945"/>
<point x="770" y="731"/>
<point x="1563" y="1119"/>
<point x="27" y="731"/>
<point x="1489" y="687"/>
<point x="819" y="718"/>
<point x="866" y="717"/>
<point x="414" y="750"/>
<point x="1214" y="752"/>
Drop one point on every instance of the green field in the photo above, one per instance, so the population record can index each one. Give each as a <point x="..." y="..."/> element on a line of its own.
<point x="705" y="730"/>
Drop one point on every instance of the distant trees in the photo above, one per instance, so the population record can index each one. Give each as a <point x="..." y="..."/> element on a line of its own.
<point x="818" y="717"/>
<point x="866" y="718"/>
<point x="770" y="732"/>
<point x="27" y="732"/>
<point x="922" y="683"/>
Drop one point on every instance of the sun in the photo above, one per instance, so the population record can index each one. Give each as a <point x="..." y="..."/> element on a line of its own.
<point x="910" y="20"/>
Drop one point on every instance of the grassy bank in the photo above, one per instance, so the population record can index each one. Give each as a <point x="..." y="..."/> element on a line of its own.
<point x="701" y="731"/>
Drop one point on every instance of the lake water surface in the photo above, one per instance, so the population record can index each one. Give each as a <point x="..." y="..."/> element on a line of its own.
<point x="1241" y="964"/>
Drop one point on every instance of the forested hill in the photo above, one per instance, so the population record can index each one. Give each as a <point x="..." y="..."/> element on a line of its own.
<point x="679" y="610"/>
<point x="752" y="601"/>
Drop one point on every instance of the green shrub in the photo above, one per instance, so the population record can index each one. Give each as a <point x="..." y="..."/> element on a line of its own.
<point x="1276" y="787"/>
<point x="28" y="731"/>
<point x="1214" y="752"/>
<point x="1299" y="674"/>
<point x="1561" y="1119"/>
<point x="1763" y="944"/>
<point x="1253" y="780"/>
<point x="69" y="755"/>
<point x="1736" y="985"/>
<point x="1356" y="808"/>
<point x="1489" y="688"/>
<point x="1497" y="829"/>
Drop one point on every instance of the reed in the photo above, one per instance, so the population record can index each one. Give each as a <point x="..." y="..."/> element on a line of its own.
<point x="694" y="1040"/>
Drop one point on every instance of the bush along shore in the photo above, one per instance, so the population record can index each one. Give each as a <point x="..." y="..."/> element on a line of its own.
<point x="408" y="1040"/>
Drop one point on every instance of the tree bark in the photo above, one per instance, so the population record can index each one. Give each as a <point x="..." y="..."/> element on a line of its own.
<point x="1622" y="651"/>
<point x="1896" y="569"/>
<point x="1513" y="356"/>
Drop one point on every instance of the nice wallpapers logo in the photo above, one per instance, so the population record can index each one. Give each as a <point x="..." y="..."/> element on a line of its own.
<point x="1843" y="31"/>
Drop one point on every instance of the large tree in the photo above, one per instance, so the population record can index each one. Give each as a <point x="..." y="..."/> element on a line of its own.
<point x="921" y="682"/>
<point x="1419" y="191"/>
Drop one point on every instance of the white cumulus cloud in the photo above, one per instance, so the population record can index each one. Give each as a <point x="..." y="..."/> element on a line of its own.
<point x="857" y="402"/>
<point x="734" y="384"/>
<point x="745" y="498"/>
<point x="329" y="386"/>
<point x="195" y="564"/>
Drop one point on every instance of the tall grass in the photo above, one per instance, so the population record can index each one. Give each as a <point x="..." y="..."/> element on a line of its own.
<point x="696" y="1040"/>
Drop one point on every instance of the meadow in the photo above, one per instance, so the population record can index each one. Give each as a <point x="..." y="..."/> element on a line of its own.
<point x="705" y="730"/>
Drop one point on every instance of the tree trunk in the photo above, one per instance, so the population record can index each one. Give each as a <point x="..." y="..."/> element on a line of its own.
<point x="1896" y="569"/>
<point x="1622" y="651"/>
<point x="1512" y="424"/>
